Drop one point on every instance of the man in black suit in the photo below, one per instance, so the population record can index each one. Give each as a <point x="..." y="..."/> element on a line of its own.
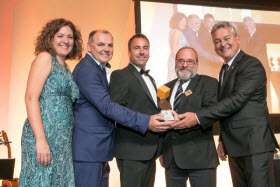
<point x="246" y="134"/>
<point x="135" y="89"/>
<point x="191" y="152"/>
<point x="192" y="35"/>
<point x="255" y="46"/>
<point x="208" y="66"/>
<point x="95" y="115"/>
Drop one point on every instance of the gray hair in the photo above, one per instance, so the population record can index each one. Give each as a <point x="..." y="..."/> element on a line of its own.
<point x="92" y="33"/>
<point x="224" y="24"/>
<point x="248" y="18"/>
<point x="186" y="47"/>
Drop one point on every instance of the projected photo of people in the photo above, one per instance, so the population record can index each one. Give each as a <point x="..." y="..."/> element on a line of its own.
<point x="258" y="31"/>
<point x="203" y="45"/>
<point x="177" y="40"/>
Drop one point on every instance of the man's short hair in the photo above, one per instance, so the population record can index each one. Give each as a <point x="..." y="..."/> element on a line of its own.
<point x="191" y="17"/>
<point x="224" y="24"/>
<point x="137" y="36"/>
<point x="186" y="47"/>
<point x="208" y="16"/>
<point x="248" y="18"/>
<point x="92" y="33"/>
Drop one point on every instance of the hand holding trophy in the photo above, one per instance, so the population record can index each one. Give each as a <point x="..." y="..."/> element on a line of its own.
<point x="163" y="92"/>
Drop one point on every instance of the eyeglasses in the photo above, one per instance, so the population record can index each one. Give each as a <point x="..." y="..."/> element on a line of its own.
<point x="190" y="62"/>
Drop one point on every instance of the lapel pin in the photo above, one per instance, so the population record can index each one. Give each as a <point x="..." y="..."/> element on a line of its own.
<point x="188" y="92"/>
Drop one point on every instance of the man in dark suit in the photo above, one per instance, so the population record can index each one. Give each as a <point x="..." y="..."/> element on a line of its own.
<point x="246" y="134"/>
<point x="190" y="152"/>
<point x="192" y="35"/>
<point x="94" y="115"/>
<point x="256" y="46"/>
<point x="208" y="66"/>
<point x="135" y="89"/>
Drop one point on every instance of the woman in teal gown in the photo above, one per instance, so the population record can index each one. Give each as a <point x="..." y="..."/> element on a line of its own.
<point x="50" y="93"/>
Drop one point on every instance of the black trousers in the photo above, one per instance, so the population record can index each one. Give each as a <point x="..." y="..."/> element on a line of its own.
<point x="137" y="173"/>
<point x="255" y="170"/>
<point x="176" y="177"/>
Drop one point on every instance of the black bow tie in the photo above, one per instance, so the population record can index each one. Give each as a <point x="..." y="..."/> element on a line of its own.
<point x="108" y="65"/>
<point x="144" y="72"/>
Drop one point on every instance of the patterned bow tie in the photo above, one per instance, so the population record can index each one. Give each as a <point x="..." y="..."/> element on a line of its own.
<point x="144" y="72"/>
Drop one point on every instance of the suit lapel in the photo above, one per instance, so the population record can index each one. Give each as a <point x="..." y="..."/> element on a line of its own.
<point x="230" y="71"/>
<point x="188" y="92"/>
<point x="154" y="84"/>
<point x="98" y="68"/>
<point x="171" y="86"/>
<point x="141" y="80"/>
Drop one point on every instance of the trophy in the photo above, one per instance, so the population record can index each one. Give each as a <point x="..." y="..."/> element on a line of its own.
<point x="163" y="92"/>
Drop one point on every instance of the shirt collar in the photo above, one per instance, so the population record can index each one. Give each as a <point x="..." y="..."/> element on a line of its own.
<point x="253" y="33"/>
<point x="138" y="69"/>
<point x="98" y="63"/>
<point x="230" y="62"/>
<point x="192" y="28"/>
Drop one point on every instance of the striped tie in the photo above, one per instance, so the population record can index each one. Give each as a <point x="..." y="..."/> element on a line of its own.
<point x="178" y="95"/>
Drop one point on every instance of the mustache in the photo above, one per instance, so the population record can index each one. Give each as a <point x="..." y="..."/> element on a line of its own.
<point x="225" y="47"/>
<point x="185" y="68"/>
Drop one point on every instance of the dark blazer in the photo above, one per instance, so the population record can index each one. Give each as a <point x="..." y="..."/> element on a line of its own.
<point x="193" y="148"/>
<point x="95" y="113"/>
<point x="128" y="88"/>
<point x="242" y="109"/>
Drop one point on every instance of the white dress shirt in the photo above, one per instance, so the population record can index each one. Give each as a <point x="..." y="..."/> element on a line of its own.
<point x="107" y="69"/>
<point x="172" y="97"/>
<point x="149" y="84"/>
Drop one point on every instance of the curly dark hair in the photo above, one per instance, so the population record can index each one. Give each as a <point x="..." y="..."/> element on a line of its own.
<point x="175" y="19"/>
<point x="44" y="40"/>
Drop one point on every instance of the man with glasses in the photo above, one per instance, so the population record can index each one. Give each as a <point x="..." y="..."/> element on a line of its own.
<point x="190" y="152"/>
<point x="246" y="135"/>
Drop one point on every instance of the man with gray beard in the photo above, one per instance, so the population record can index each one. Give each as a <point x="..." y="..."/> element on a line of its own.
<point x="190" y="153"/>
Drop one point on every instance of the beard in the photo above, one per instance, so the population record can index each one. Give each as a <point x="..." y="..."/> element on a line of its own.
<point x="188" y="76"/>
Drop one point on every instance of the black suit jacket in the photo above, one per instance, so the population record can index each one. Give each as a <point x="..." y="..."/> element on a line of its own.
<point x="242" y="109"/>
<point x="128" y="88"/>
<point x="193" y="148"/>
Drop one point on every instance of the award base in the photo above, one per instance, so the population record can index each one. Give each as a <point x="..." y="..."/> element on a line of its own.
<point x="167" y="115"/>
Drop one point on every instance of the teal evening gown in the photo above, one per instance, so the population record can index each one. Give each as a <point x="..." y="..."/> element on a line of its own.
<point x="56" y="102"/>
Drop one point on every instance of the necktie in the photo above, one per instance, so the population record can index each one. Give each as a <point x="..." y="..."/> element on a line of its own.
<point x="224" y="72"/>
<point x="144" y="72"/>
<point x="178" y="95"/>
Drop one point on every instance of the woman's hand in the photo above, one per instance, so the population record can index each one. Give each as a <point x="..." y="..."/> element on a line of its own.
<point x="43" y="153"/>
